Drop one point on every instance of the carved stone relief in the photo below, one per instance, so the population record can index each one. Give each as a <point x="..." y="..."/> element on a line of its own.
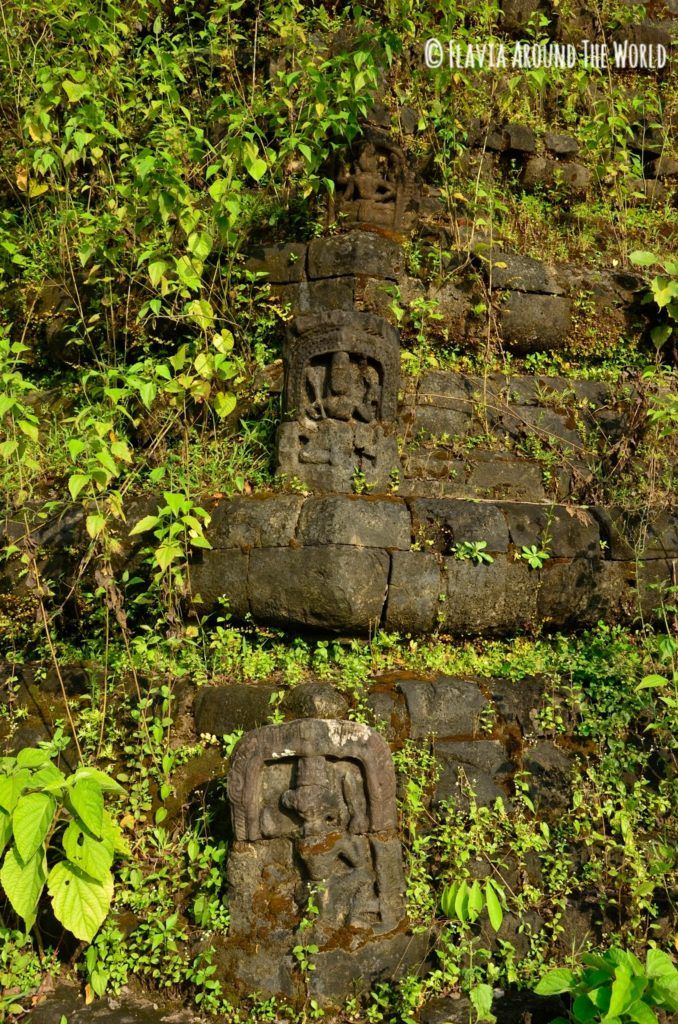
<point x="316" y="859"/>
<point x="340" y="396"/>
<point x="376" y="188"/>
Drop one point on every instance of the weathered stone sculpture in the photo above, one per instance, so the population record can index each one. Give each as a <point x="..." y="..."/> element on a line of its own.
<point x="316" y="861"/>
<point x="340" y="398"/>
<point x="378" y="188"/>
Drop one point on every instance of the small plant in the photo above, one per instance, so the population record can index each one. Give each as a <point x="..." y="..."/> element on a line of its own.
<point x="534" y="556"/>
<point x="178" y="526"/>
<point x="663" y="293"/>
<point x="473" y="551"/>
<point x="616" y="987"/>
<point x="40" y="805"/>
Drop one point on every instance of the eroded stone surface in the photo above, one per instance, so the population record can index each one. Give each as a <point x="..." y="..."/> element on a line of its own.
<point x="340" y="398"/>
<point x="314" y="817"/>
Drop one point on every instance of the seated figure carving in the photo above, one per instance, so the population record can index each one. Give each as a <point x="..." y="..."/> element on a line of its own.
<point x="379" y="189"/>
<point x="340" y="400"/>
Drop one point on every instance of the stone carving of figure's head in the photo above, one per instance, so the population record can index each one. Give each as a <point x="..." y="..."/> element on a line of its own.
<point x="368" y="160"/>
<point x="316" y="801"/>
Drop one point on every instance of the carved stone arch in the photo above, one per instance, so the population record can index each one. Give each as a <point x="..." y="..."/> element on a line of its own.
<point x="323" y="334"/>
<point x="335" y="740"/>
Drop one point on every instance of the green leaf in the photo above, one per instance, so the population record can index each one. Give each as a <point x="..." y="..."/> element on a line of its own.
<point x="255" y="167"/>
<point x="651" y="683"/>
<point x="156" y="271"/>
<point x="29" y="429"/>
<point x="31" y="820"/>
<point x="5" y="829"/>
<point x="147" y="523"/>
<point x="93" y="856"/>
<point x="481" y="996"/>
<point x="657" y="963"/>
<point x="200" y="243"/>
<point x="461" y="902"/>
<point x="23" y="883"/>
<point x="583" y="1010"/>
<point x="166" y="554"/>
<point x="31" y="757"/>
<point x="175" y="502"/>
<point x="447" y="899"/>
<point x="475" y="901"/>
<point x="494" y="911"/>
<point x="105" y="782"/>
<point x="87" y="801"/>
<point x="224" y="404"/>
<point x="74" y="90"/>
<point x="640" y="1013"/>
<point x="94" y="524"/>
<point x="555" y="982"/>
<point x="11" y="787"/>
<point x="642" y="258"/>
<point x="76" y="483"/>
<point x="80" y="903"/>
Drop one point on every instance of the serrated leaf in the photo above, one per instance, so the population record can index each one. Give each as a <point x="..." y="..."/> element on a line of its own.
<point x="106" y="783"/>
<point x="659" y="964"/>
<point x="31" y="820"/>
<point x="481" y="996"/>
<point x="256" y="168"/>
<point x="23" y="883"/>
<point x="87" y="801"/>
<point x="93" y="856"/>
<point x="494" y="911"/>
<point x="166" y="554"/>
<point x="80" y="903"/>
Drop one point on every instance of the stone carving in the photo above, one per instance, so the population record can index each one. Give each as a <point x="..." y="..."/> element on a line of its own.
<point x="377" y="189"/>
<point x="316" y="858"/>
<point x="340" y="397"/>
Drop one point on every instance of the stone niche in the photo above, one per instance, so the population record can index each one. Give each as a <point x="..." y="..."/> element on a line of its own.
<point x="340" y="401"/>
<point x="316" y="862"/>
<point x="376" y="188"/>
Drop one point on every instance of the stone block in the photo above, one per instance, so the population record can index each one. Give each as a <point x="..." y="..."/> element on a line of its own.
<point x="480" y="765"/>
<point x="520" y="138"/>
<point x="496" y="475"/>
<point x="220" y="710"/>
<point x="255" y="521"/>
<point x="314" y="699"/>
<point x="572" y="532"/>
<point x="534" y="323"/>
<point x="561" y="145"/>
<point x="567" y="591"/>
<point x="550" y="769"/>
<point x="283" y="264"/>
<point x="441" y="422"/>
<point x="444" y="707"/>
<point x="336" y="588"/>
<point x="356" y="253"/>
<point x="475" y="596"/>
<point x="523" y="274"/>
<point x="361" y="521"/>
<point x="220" y="573"/>
<point x="553" y="427"/>
<point x="414" y="592"/>
<point x="442" y="523"/>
